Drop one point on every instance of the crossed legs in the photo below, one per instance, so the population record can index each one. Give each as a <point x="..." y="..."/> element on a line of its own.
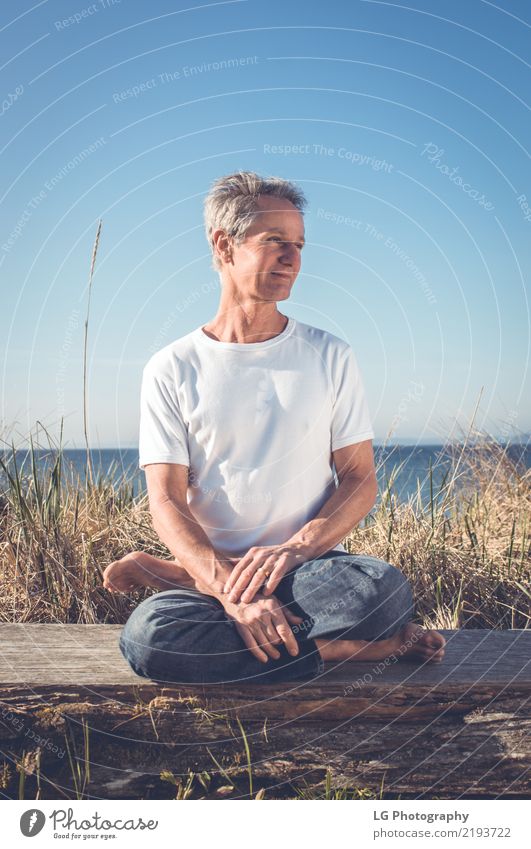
<point x="355" y="608"/>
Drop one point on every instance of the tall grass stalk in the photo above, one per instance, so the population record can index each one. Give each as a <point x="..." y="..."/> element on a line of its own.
<point x="79" y="766"/>
<point x="90" y="474"/>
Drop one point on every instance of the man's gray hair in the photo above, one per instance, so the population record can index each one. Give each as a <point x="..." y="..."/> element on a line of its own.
<point x="231" y="203"/>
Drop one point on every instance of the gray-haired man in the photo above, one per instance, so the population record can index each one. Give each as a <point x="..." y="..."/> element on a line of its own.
<point x="245" y="424"/>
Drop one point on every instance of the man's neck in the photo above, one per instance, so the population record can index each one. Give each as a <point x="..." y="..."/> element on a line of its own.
<point x="245" y="325"/>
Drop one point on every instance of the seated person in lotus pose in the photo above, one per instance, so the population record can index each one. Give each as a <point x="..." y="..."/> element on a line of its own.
<point x="256" y="442"/>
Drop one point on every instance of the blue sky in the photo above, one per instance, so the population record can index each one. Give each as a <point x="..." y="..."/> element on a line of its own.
<point x="407" y="126"/>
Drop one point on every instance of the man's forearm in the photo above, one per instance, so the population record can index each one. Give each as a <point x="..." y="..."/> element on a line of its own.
<point x="189" y="544"/>
<point x="347" y="506"/>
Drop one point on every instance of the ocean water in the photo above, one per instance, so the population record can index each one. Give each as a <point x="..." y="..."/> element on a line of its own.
<point x="406" y="468"/>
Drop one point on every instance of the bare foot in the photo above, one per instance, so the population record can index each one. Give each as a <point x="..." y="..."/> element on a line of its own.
<point x="139" y="569"/>
<point x="414" y="641"/>
<point x="411" y="642"/>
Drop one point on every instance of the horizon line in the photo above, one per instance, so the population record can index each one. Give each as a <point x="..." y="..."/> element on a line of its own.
<point x="404" y="443"/>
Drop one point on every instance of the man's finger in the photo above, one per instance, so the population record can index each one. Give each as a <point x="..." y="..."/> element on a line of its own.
<point x="274" y="580"/>
<point x="250" y="581"/>
<point x="263" y="641"/>
<point x="256" y="583"/>
<point x="271" y="632"/>
<point x="240" y="564"/>
<point x="242" y="582"/>
<point x="277" y="573"/>
<point x="292" y="617"/>
<point x="286" y="633"/>
<point x="250" y="642"/>
<point x="236" y="572"/>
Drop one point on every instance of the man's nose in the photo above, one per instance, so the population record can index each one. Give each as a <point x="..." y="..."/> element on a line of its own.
<point x="290" y="252"/>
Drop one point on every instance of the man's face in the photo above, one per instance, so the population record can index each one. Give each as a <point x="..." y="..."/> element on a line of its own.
<point x="264" y="266"/>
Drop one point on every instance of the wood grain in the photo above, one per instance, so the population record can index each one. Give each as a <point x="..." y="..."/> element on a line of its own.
<point x="461" y="728"/>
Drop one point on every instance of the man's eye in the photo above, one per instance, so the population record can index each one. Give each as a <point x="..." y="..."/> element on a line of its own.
<point x="278" y="239"/>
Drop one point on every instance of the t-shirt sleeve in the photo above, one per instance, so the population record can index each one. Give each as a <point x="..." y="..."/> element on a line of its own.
<point x="163" y="434"/>
<point x="351" y="420"/>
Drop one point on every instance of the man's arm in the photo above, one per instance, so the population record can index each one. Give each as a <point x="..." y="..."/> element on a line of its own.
<point x="348" y="505"/>
<point x="167" y="485"/>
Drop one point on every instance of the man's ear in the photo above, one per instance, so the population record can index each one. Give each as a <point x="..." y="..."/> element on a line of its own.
<point x="222" y="245"/>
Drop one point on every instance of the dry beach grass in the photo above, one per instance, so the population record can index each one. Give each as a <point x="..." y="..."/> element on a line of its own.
<point x="466" y="549"/>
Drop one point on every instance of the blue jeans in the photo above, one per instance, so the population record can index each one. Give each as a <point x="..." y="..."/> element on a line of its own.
<point x="185" y="636"/>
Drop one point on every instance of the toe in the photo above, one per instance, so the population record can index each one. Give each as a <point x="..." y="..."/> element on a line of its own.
<point x="434" y="655"/>
<point x="434" y="639"/>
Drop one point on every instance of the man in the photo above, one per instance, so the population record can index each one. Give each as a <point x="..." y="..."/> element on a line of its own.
<point x="243" y="423"/>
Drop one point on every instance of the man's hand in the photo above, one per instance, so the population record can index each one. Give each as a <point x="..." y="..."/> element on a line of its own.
<point x="262" y="624"/>
<point x="263" y="566"/>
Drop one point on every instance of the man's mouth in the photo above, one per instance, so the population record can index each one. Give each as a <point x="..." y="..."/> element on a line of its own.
<point x="282" y="274"/>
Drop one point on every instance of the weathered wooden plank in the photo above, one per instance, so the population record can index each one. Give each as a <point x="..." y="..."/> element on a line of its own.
<point x="460" y="728"/>
<point x="51" y="654"/>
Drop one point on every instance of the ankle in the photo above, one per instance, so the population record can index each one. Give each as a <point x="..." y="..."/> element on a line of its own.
<point x="331" y="649"/>
<point x="396" y="642"/>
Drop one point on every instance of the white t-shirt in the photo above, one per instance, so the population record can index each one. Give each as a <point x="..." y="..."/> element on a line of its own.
<point x="256" y="424"/>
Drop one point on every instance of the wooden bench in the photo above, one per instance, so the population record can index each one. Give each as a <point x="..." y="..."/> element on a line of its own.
<point x="456" y="729"/>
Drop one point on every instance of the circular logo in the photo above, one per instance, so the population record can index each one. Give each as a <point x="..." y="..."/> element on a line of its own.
<point x="31" y="822"/>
